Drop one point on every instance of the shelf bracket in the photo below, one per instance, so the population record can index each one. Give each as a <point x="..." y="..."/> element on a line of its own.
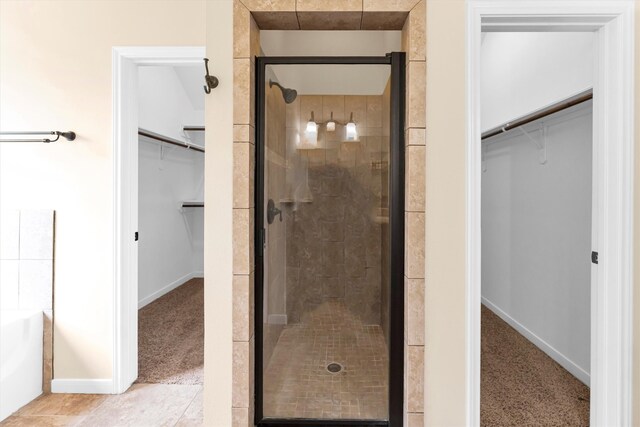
<point x="540" y="143"/>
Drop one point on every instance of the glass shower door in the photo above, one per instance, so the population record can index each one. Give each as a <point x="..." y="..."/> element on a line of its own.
<point x="324" y="265"/>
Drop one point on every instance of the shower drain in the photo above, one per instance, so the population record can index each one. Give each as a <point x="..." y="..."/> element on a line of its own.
<point x="334" y="367"/>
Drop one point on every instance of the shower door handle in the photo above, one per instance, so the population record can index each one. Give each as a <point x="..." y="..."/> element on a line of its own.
<point x="272" y="211"/>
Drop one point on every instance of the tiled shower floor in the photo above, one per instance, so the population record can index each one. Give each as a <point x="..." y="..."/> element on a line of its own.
<point x="297" y="383"/>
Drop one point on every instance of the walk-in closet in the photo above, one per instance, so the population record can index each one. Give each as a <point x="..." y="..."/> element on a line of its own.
<point x="170" y="224"/>
<point x="537" y="195"/>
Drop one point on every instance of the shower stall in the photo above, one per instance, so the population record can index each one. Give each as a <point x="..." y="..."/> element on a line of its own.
<point x="329" y="221"/>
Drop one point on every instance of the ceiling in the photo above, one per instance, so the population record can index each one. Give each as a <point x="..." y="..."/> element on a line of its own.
<point x="192" y="79"/>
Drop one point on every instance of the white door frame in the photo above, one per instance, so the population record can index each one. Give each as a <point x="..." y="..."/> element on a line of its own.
<point x="126" y="61"/>
<point x="611" y="302"/>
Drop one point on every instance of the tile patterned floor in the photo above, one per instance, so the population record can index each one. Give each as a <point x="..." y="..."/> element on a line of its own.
<point x="297" y="383"/>
<point x="143" y="405"/>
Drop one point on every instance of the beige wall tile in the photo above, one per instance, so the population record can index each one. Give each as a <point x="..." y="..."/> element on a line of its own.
<point x="414" y="245"/>
<point x="240" y="417"/>
<point x="276" y="20"/>
<point x="415" y="420"/>
<point x="383" y="21"/>
<point x="243" y="303"/>
<point x="414" y="308"/>
<point x="252" y="371"/>
<point x="415" y="136"/>
<point x="416" y="94"/>
<point x="243" y="173"/>
<point x="47" y="351"/>
<point x="242" y="241"/>
<point x="329" y="20"/>
<point x="293" y="114"/>
<point x="329" y="6"/>
<point x="241" y="375"/>
<point x="415" y="178"/>
<point x="244" y="133"/>
<point x="388" y="5"/>
<point x="404" y="41"/>
<point x="270" y="5"/>
<point x="374" y="111"/>
<point x="415" y="378"/>
<point x="241" y="30"/>
<point x="335" y="104"/>
<point x="243" y="93"/>
<point x="357" y="105"/>
<point x="47" y="375"/>
<point x="417" y="33"/>
<point x="254" y="38"/>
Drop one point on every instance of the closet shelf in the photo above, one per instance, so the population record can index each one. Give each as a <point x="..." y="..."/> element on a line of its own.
<point x="539" y="114"/>
<point x="169" y="140"/>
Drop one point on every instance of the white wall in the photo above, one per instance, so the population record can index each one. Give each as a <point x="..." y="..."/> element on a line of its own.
<point x="171" y="246"/>
<point x="536" y="236"/>
<point x="522" y="72"/>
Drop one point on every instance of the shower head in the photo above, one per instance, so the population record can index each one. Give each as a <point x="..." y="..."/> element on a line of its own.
<point x="289" y="95"/>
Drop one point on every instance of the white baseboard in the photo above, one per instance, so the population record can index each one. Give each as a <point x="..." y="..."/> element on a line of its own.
<point x="565" y="362"/>
<point x="277" y="319"/>
<point x="82" y="386"/>
<point x="171" y="286"/>
<point x="198" y="275"/>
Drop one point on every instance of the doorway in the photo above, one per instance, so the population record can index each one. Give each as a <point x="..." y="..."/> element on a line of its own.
<point x="329" y="241"/>
<point x="170" y="224"/>
<point x="165" y="152"/>
<point x="610" y="336"/>
<point x="537" y="201"/>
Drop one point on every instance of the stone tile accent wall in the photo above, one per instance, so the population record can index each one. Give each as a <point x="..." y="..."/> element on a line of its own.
<point x="413" y="43"/>
<point x="408" y="15"/>
<point x="334" y="238"/>
<point x="246" y="45"/>
<point x="26" y="272"/>
<point x="330" y="14"/>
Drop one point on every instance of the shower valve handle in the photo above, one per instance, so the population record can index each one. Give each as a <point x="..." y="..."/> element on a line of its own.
<point x="272" y="211"/>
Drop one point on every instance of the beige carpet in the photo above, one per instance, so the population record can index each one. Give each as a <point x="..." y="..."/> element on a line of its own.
<point x="171" y="337"/>
<point x="522" y="386"/>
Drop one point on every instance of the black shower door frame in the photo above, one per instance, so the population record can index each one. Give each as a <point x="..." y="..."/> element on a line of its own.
<point x="396" y="226"/>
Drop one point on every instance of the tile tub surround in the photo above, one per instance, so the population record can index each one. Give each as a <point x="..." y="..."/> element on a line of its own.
<point x="26" y="271"/>
<point x="298" y="384"/>
<point x="20" y="359"/>
<point x="282" y="15"/>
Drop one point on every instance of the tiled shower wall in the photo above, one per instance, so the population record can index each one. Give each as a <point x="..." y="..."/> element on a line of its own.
<point x="333" y="218"/>
<point x="413" y="43"/>
<point x="26" y="271"/>
<point x="246" y="46"/>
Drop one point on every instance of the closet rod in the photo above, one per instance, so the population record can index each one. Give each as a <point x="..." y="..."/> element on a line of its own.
<point x="168" y="140"/>
<point x="536" y="115"/>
